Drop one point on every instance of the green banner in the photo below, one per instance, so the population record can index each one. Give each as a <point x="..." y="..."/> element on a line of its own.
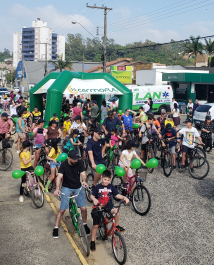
<point x="125" y="77"/>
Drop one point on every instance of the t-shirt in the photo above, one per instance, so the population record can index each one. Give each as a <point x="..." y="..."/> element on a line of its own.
<point x="113" y="105"/>
<point x="75" y="125"/>
<point x="67" y="125"/>
<point x="52" y="133"/>
<point x="113" y="139"/>
<point x="96" y="147"/>
<point x="189" y="136"/>
<point x="40" y="137"/>
<point x="36" y="115"/>
<point x="143" y="116"/>
<point x="170" y="134"/>
<point x="127" y="157"/>
<point x="127" y="121"/>
<point x="26" y="116"/>
<point x="76" y="111"/>
<point x="176" y="113"/>
<point x="190" y="105"/>
<point x="208" y="127"/>
<point x="162" y="122"/>
<point x="104" y="109"/>
<point x="146" y="129"/>
<point x="71" y="174"/>
<point x="94" y="111"/>
<point x="69" y="144"/>
<point x="103" y="193"/>
<point x="5" y="126"/>
<point x="53" y="153"/>
<point x="170" y="122"/>
<point x="146" y="108"/>
<point x="56" y="119"/>
<point x="110" y="124"/>
<point x="13" y="110"/>
<point x="71" y="100"/>
<point x="26" y="155"/>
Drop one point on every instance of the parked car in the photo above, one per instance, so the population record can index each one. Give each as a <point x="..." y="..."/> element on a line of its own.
<point x="201" y="112"/>
<point x="2" y="95"/>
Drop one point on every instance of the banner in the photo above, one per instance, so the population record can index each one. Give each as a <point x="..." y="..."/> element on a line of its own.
<point x="122" y="74"/>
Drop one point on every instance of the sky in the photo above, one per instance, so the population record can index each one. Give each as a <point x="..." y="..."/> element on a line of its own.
<point x="129" y="20"/>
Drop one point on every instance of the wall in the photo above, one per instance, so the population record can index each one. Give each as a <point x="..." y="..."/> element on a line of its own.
<point x="61" y="46"/>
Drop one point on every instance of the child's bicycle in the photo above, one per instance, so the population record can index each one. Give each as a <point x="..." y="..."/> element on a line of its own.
<point x="118" y="243"/>
<point x="112" y="156"/>
<point x="77" y="221"/>
<point x="32" y="187"/>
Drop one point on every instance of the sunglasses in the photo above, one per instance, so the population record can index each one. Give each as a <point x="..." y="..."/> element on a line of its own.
<point x="100" y="133"/>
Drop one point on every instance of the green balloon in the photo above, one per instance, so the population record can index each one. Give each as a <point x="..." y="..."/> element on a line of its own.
<point x="65" y="115"/>
<point x="152" y="163"/>
<point x="62" y="157"/>
<point x="61" y="113"/>
<point x="136" y="163"/>
<point x="28" y="109"/>
<point x="136" y="126"/>
<point x="31" y="134"/>
<point x="114" y="108"/>
<point x="15" y="119"/>
<point x="84" y="112"/>
<point x="39" y="170"/>
<point x="26" y="100"/>
<point x="17" y="174"/>
<point x="101" y="122"/>
<point x="120" y="172"/>
<point x="120" y="112"/>
<point x="100" y="168"/>
<point x="46" y="126"/>
<point x="25" y="104"/>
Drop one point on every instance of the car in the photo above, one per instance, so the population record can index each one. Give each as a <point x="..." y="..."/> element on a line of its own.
<point x="2" y="95"/>
<point x="201" y="112"/>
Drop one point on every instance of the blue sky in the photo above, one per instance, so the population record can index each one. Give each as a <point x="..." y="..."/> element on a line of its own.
<point x="129" y="21"/>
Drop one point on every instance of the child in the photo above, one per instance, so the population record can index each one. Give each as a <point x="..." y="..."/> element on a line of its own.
<point x="5" y="103"/>
<point x="170" y="120"/>
<point x="125" y="160"/>
<point x="101" y="195"/>
<point x="55" y="118"/>
<point x="115" y="137"/>
<point x="72" y="141"/>
<point x="190" y="114"/>
<point x="52" y="156"/>
<point x="66" y="126"/>
<point x="25" y="164"/>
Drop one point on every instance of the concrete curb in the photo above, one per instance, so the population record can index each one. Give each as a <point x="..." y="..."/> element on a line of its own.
<point x="78" y="252"/>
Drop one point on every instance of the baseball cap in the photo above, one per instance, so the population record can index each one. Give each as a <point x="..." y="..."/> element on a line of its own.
<point x="110" y="112"/>
<point x="41" y="121"/>
<point x="94" y="101"/>
<point x="188" y="120"/>
<point x="54" y="114"/>
<point x="140" y="107"/>
<point x="163" y="111"/>
<point x="98" y="130"/>
<point x="78" y="117"/>
<point x="73" y="154"/>
<point x="168" y="126"/>
<point x="208" y="117"/>
<point x="4" y="114"/>
<point x="26" y="144"/>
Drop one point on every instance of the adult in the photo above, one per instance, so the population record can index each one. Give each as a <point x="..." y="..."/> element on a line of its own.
<point x="36" y="116"/>
<point x="12" y="95"/>
<point x="77" y="111"/>
<point x="94" y="110"/>
<point x="79" y="99"/>
<point x="104" y="109"/>
<point x="75" y="101"/>
<point x="113" y="104"/>
<point x="172" y="103"/>
<point x="71" y="99"/>
<point x="20" y="107"/>
<point x="142" y="115"/>
<point x="196" y="104"/>
<point x="13" y="109"/>
<point x="189" y="134"/>
<point x="66" y="107"/>
<point x="111" y="122"/>
<point x="176" y="115"/>
<point x="162" y="119"/>
<point x="70" y="171"/>
<point x="86" y="108"/>
<point x="150" y="104"/>
<point x="6" y="126"/>
<point x="127" y="119"/>
<point x="18" y="95"/>
<point x="189" y="105"/>
<point x="21" y="130"/>
<point x="146" y="107"/>
<point x="39" y="139"/>
<point x="96" y="150"/>
<point x="53" y="131"/>
<point x="206" y="132"/>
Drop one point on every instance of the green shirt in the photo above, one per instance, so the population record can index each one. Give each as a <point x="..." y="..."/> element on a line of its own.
<point x="94" y="111"/>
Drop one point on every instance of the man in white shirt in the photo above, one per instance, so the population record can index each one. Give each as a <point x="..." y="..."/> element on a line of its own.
<point x="172" y="103"/>
<point x="71" y="99"/>
<point x="13" y="107"/>
<point x="146" y="107"/>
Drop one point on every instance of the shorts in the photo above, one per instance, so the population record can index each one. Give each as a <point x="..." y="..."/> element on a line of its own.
<point x="97" y="216"/>
<point x="129" y="173"/>
<point x="143" y="147"/>
<point x="2" y="136"/>
<point x="54" y="165"/>
<point x="172" y="149"/>
<point x="186" y="149"/>
<point x="80" y="200"/>
<point x="98" y="162"/>
<point x="38" y="146"/>
<point x="21" y="135"/>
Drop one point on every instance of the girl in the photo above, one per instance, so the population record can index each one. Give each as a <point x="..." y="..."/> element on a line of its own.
<point x="206" y="132"/>
<point x="125" y="160"/>
<point x="104" y="109"/>
<point x="72" y="141"/>
<point x="21" y="130"/>
<point x="115" y="137"/>
<point x="25" y="164"/>
<point x="66" y="126"/>
<point x="52" y="156"/>
<point x="176" y="114"/>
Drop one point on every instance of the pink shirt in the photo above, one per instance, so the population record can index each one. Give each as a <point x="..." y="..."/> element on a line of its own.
<point x="5" y="126"/>
<point x="76" y="112"/>
<point x="113" y="139"/>
<point x="113" y="105"/>
<point x="39" y="138"/>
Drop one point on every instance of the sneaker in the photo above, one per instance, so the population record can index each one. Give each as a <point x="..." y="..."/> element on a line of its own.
<point x="55" y="233"/>
<point x="21" y="199"/>
<point x="17" y="152"/>
<point x="174" y="167"/>
<point x="87" y="230"/>
<point x="121" y="229"/>
<point x="192" y="170"/>
<point x="46" y="191"/>
<point x="92" y="246"/>
<point x="182" y="167"/>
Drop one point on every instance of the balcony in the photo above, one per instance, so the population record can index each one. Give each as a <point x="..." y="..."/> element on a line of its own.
<point x="54" y="45"/>
<point x="28" y="39"/>
<point x="54" y="50"/>
<point x="27" y="50"/>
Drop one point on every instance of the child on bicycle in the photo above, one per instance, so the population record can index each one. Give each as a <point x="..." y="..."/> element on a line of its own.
<point x="101" y="196"/>
<point x="115" y="139"/>
<point x="52" y="156"/>
<point x="66" y="126"/>
<point x="25" y="164"/>
<point x="72" y="141"/>
<point x="125" y="160"/>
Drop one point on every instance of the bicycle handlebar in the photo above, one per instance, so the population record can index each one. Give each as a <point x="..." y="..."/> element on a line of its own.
<point x="74" y="196"/>
<point x="101" y="209"/>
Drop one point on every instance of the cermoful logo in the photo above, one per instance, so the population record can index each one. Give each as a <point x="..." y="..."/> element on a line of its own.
<point x="72" y="90"/>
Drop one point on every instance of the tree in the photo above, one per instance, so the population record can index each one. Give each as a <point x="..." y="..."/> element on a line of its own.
<point x="60" y="64"/>
<point x="11" y="76"/>
<point x="209" y="49"/>
<point x="193" y="46"/>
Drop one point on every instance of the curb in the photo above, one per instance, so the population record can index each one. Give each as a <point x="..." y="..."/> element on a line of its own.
<point x="78" y="252"/>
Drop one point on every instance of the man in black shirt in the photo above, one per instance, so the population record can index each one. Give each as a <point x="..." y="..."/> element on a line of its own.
<point x="70" y="171"/>
<point x="111" y="122"/>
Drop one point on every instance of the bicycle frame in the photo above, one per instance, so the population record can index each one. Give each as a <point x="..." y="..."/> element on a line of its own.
<point x="28" y="182"/>
<point x="111" y="152"/>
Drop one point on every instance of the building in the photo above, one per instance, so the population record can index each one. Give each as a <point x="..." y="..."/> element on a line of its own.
<point x="37" y="43"/>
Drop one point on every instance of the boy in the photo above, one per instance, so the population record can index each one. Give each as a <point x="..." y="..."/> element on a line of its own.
<point x="66" y="126"/>
<point x="55" y="118"/>
<point x="101" y="196"/>
<point x="190" y="114"/>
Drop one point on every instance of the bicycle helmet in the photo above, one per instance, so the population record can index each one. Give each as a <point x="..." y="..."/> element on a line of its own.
<point x="170" y="116"/>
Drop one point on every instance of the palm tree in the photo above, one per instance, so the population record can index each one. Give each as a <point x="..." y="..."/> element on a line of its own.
<point x="60" y="64"/>
<point x="209" y="49"/>
<point x="193" y="46"/>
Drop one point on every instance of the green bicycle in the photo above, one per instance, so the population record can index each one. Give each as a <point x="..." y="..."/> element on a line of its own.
<point x="112" y="156"/>
<point x="77" y="221"/>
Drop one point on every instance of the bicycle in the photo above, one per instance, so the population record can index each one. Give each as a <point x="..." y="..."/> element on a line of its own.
<point x="33" y="188"/>
<point x="141" y="199"/>
<point x="6" y="156"/>
<point x="112" y="156"/>
<point x="118" y="243"/>
<point x="77" y="221"/>
<point x="149" y="152"/>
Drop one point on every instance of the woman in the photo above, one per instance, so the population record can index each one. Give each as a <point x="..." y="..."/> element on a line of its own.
<point x="189" y="105"/>
<point x="150" y="104"/>
<point x="104" y="109"/>
<point x="176" y="114"/>
<point x="206" y="132"/>
<point x="20" y="129"/>
<point x="53" y="131"/>
<point x="113" y="104"/>
<point x="77" y="111"/>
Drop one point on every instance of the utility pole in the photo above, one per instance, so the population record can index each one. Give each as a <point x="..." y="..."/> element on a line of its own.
<point x="105" y="32"/>
<point x="46" y="59"/>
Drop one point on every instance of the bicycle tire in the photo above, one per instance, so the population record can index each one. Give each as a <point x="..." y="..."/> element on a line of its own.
<point x="37" y="193"/>
<point x="6" y="159"/>
<point x="103" y="231"/>
<point x="117" y="182"/>
<point x="200" y="163"/>
<point x="89" y="180"/>
<point x="201" y="152"/>
<point x="167" y="164"/>
<point x="179" y="159"/>
<point x="83" y="236"/>
<point x="107" y="160"/>
<point x="152" y="156"/>
<point x="136" y="192"/>
<point x="121" y="245"/>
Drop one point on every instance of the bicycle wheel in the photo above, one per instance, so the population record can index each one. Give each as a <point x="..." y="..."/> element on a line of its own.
<point x="141" y="200"/>
<point x="83" y="236"/>
<point x="117" y="182"/>
<point x="200" y="168"/>
<point x="119" y="248"/>
<point x="107" y="161"/>
<point x="89" y="180"/>
<point x="103" y="231"/>
<point x="201" y="152"/>
<point x="167" y="164"/>
<point x="6" y="159"/>
<point x="37" y="196"/>
<point x="179" y="159"/>
<point x="150" y="151"/>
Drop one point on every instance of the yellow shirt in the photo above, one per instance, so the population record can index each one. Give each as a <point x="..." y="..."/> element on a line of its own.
<point x="67" y="125"/>
<point x="25" y="155"/>
<point x="171" y="122"/>
<point x="36" y="114"/>
<point x="53" y="154"/>
<point x="26" y="116"/>
<point x="56" y="119"/>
